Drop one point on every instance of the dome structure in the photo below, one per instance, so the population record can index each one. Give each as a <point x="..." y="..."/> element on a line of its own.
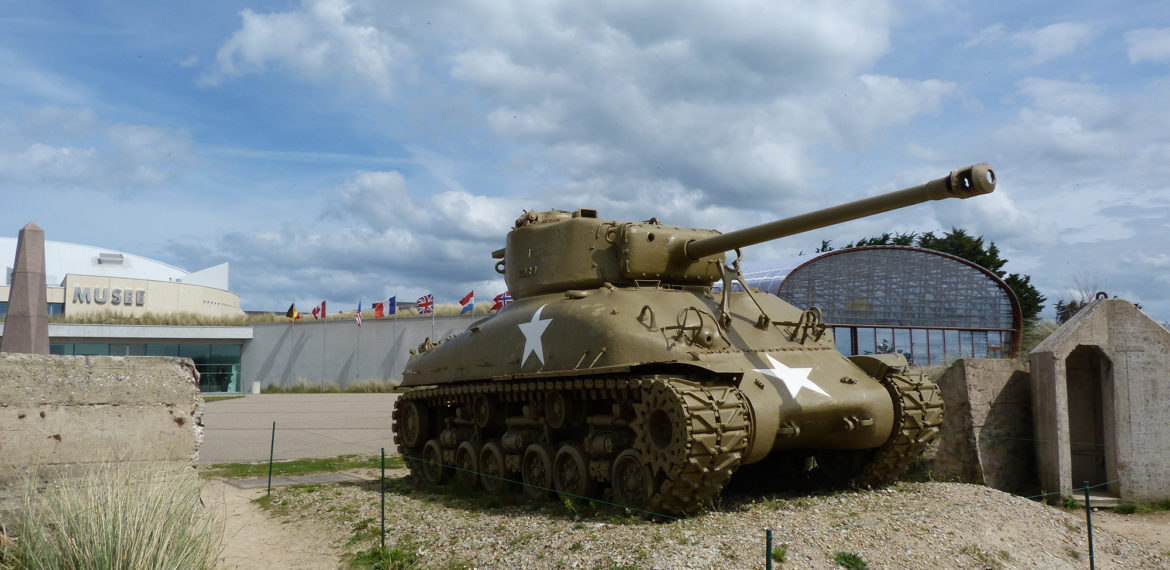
<point x="931" y="306"/>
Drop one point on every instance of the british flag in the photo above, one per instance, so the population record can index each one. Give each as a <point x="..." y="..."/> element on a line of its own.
<point x="502" y="300"/>
<point x="426" y="304"/>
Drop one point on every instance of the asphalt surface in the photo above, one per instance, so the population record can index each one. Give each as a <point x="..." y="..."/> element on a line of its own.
<point x="307" y="425"/>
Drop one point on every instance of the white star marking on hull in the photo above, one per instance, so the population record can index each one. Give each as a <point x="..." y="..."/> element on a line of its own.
<point x="532" y="331"/>
<point x="795" y="379"/>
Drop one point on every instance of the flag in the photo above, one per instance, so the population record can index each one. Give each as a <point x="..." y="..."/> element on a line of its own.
<point x="426" y="304"/>
<point x="292" y="313"/>
<point x="359" y="313"/>
<point x="392" y="305"/>
<point x="468" y="303"/>
<point x="379" y="310"/>
<point x="319" y="311"/>
<point x="502" y="300"/>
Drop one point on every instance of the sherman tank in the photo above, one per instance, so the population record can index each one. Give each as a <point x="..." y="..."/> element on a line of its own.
<point x="630" y="368"/>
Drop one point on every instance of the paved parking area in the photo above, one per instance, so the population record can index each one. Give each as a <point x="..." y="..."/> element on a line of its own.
<point x="307" y="425"/>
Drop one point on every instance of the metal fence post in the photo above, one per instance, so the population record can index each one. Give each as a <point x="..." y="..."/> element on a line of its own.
<point x="768" y="550"/>
<point x="383" y="481"/>
<point x="1089" y="522"/>
<point x="271" y="449"/>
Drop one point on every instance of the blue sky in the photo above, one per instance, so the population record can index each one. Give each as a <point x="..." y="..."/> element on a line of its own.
<point x="343" y="149"/>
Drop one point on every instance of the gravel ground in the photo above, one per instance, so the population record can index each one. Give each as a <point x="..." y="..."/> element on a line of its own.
<point x="909" y="525"/>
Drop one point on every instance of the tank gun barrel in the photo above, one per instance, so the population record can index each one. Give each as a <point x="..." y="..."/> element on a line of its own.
<point x="966" y="182"/>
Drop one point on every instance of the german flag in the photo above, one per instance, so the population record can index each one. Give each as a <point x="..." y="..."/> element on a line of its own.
<point x="292" y="313"/>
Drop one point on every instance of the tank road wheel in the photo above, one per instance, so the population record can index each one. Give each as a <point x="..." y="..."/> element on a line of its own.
<point x="536" y="470"/>
<point x="632" y="482"/>
<point x="571" y="471"/>
<point x="494" y="475"/>
<point x="466" y="464"/>
<point x="431" y="470"/>
<point x="412" y="423"/>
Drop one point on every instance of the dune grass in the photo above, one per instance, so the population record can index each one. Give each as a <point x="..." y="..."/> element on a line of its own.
<point x="304" y="387"/>
<point x="115" y="516"/>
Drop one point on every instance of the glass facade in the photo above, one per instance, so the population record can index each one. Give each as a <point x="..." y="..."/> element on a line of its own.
<point x="55" y="309"/>
<point x="218" y="364"/>
<point x="929" y="306"/>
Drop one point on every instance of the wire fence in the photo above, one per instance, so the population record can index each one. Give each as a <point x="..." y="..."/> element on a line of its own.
<point x="477" y="476"/>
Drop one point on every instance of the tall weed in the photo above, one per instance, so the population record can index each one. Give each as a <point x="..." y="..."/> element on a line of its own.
<point x="115" y="516"/>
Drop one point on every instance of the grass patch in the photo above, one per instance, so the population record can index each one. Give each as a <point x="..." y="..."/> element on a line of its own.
<point x="987" y="559"/>
<point x="363" y="387"/>
<point x="849" y="560"/>
<point x="300" y="466"/>
<point x="1131" y="508"/>
<point x="218" y="398"/>
<point x="780" y="553"/>
<point x="115" y="516"/>
<point x="404" y="555"/>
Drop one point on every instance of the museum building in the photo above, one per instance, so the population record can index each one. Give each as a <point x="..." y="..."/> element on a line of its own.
<point x="86" y="280"/>
<point x="930" y="306"/>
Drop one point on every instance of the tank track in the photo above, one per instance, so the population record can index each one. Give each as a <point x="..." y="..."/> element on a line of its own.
<point x="662" y="444"/>
<point x="918" y="415"/>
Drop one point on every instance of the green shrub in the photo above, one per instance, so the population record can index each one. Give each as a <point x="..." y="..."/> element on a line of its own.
<point x="849" y="560"/>
<point x="115" y="516"/>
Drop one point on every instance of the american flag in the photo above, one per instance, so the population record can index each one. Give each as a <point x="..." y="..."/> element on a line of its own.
<point x="359" y="314"/>
<point x="426" y="304"/>
<point x="502" y="300"/>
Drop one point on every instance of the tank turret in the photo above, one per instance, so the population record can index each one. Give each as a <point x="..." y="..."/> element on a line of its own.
<point x="620" y="366"/>
<point x="559" y="250"/>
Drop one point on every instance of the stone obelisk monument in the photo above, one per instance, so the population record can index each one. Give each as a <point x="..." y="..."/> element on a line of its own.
<point x="26" y="328"/>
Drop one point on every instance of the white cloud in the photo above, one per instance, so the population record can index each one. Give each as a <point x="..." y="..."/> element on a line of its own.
<point x="52" y="146"/>
<point x="1054" y="40"/>
<point x="1148" y="45"/>
<point x="317" y="43"/>
<point x="1047" y="43"/>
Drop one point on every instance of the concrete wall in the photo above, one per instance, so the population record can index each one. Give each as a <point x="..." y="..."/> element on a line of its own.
<point x="338" y="351"/>
<point x="987" y="427"/>
<point x="70" y="410"/>
<point x="1131" y="355"/>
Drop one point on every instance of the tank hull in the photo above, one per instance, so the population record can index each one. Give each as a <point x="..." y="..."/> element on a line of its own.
<point x="633" y="385"/>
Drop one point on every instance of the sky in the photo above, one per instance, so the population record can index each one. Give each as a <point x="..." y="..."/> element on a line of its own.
<point x="351" y="149"/>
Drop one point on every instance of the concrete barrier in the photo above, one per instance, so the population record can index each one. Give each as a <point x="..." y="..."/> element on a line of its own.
<point x="63" y="411"/>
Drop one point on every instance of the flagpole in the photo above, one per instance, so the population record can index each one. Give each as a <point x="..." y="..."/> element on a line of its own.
<point x="357" y="369"/>
<point x="394" y="335"/>
<point x="324" y="351"/>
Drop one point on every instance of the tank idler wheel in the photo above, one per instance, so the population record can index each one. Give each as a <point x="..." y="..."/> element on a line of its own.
<point x="632" y="481"/>
<point x="466" y="464"/>
<point x="571" y="471"/>
<point x="431" y="470"/>
<point x="414" y="423"/>
<point x="536" y="470"/>
<point x="494" y="474"/>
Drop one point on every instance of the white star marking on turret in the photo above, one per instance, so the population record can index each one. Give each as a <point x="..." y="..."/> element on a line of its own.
<point x="533" y="330"/>
<point x="795" y="379"/>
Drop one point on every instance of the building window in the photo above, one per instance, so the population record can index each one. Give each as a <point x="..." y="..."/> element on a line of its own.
<point x="218" y="364"/>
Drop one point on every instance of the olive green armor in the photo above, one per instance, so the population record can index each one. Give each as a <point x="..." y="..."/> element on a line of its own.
<point x="621" y="366"/>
